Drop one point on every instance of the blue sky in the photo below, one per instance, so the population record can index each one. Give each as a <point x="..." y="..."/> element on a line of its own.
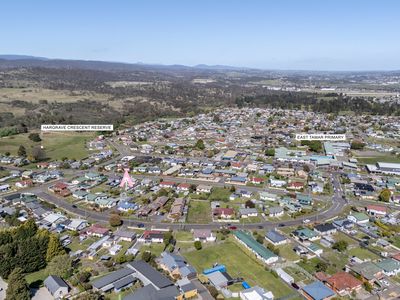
<point x="284" y="34"/>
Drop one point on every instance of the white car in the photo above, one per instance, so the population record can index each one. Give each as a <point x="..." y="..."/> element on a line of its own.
<point x="306" y="221"/>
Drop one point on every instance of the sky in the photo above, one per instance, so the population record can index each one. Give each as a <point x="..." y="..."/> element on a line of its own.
<point x="266" y="34"/>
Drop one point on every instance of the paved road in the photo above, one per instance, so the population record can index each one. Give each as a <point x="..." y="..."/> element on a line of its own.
<point x="335" y="207"/>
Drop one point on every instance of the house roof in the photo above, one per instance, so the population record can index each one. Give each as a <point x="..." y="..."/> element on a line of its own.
<point x="149" y="292"/>
<point x="112" y="277"/>
<point x="217" y="278"/>
<point x="53" y="283"/>
<point x="343" y="280"/>
<point x="325" y="227"/>
<point x="253" y="244"/>
<point x="376" y="208"/>
<point x="389" y="265"/>
<point x="318" y="291"/>
<point x="275" y="236"/>
<point x="156" y="278"/>
<point x="367" y="269"/>
<point x="201" y="233"/>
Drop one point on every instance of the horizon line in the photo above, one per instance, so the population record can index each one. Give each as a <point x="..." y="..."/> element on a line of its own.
<point x="198" y="65"/>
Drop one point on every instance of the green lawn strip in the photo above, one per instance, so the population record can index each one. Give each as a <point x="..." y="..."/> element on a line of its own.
<point x="286" y="251"/>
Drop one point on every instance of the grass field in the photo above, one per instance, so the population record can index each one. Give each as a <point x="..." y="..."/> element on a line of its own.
<point x="286" y="251"/>
<point x="362" y="253"/>
<point x="220" y="194"/>
<point x="239" y="264"/>
<point x="154" y="248"/>
<point x="56" y="144"/>
<point x="375" y="159"/>
<point x="199" y="212"/>
<point x="36" y="278"/>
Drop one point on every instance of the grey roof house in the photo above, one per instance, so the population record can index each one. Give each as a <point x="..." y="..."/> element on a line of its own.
<point x="56" y="286"/>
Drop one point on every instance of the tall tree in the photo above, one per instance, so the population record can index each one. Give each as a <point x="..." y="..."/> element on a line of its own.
<point x="54" y="248"/>
<point x="21" y="151"/>
<point x="17" y="286"/>
<point x="61" y="265"/>
<point x="385" y="195"/>
<point x="200" y="145"/>
<point x="115" y="220"/>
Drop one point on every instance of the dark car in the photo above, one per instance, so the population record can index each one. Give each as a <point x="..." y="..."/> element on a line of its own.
<point x="281" y="225"/>
<point x="295" y="286"/>
<point x="140" y="225"/>
<point x="74" y="206"/>
<point x="232" y="227"/>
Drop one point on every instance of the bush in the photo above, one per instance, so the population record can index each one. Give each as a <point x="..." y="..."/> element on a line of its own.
<point x="115" y="220"/>
<point x="35" y="137"/>
<point x="198" y="245"/>
<point x="340" y="246"/>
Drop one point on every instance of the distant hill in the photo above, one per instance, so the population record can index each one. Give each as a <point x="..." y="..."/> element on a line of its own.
<point x="21" y="57"/>
<point x="16" y="61"/>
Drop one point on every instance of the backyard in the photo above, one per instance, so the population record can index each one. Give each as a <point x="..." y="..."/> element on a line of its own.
<point x="239" y="263"/>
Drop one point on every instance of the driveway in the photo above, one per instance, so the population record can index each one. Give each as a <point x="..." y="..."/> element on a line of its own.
<point x="42" y="294"/>
<point x="3" y="287"/>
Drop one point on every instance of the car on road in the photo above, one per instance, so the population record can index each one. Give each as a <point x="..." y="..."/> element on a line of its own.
<point x="140" y="225"/>
<point x="281" y="225"/>
<point x="232" y="227"/>
<point x="260" y="227"/>
<point x="306" y="221"/>
<point x="74" y="206"/>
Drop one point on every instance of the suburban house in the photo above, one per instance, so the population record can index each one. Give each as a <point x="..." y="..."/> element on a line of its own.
<point x="317" y="291"/>
<point x="167" y="184"/>
<point x="325" y="229"/>
<point x="125" y="235"/>
<point x="305" y="234"/>
<point x="259" y="250"/>
<point x="201" y="188"/>
<point x="56" y="286"/>
<point x="368" y="271"/>
<point x="116" y="280"/>
<point x="276" y="182"/>
<point x="177" y="208"/>
<point x="187" y="288"/>
<point x="183" y="187"/>
<point x="97" y="230"/>
<point x="358" y="218"/>
<point x="152" y="236"/>
<point x="275" y="238"/>
<point x="224" y="213"/>
<point x="248" y="212"/>
<point x="276" y="211"/>
<point x="264" y="196"/>
<point x="376" y="211"/>
<point x="389" y="266"/>
<point x="76" y="224"/>
<point x="255" y="292"/>
<point x="156" y="285"/>
<point x="204" y="235"/>
<point x="344" y="283"/>
<point x="176" y="266"/>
